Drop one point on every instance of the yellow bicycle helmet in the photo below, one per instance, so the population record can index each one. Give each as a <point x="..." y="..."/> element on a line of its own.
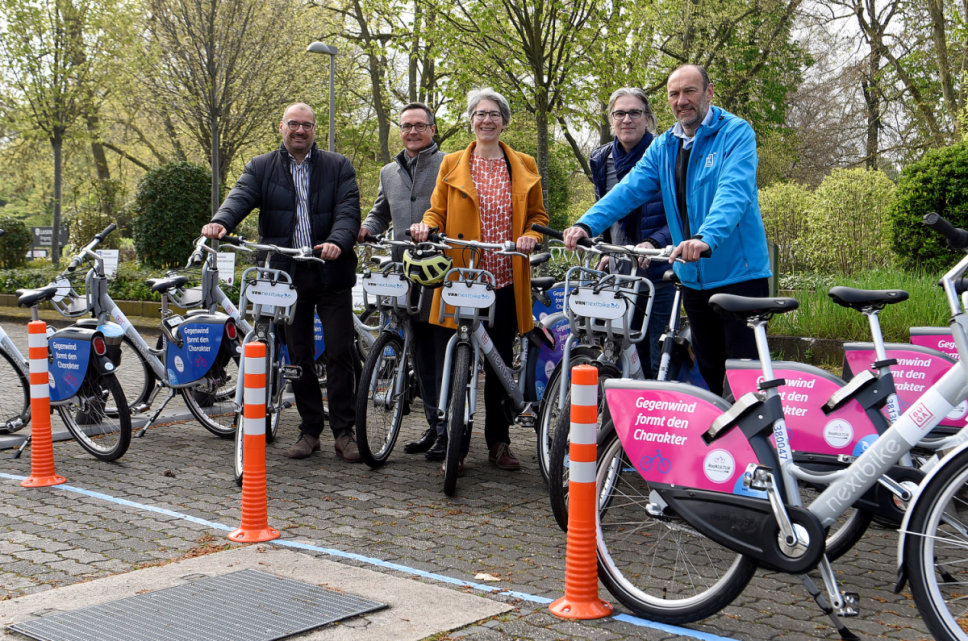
<point x="426" y="267"/>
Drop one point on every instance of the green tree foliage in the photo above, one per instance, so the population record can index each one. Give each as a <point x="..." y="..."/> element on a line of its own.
<point x="784" y="207"/>
<point x="171" y="205"/>
<point x="847" y="222"/>
<point x="938" y="183"/>
<point x="14" y="244"/>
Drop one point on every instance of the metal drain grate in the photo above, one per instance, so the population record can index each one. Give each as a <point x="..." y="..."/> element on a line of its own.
<point x="242" y="606"/>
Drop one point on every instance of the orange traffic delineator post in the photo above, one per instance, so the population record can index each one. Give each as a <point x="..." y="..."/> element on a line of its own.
<point x="42" y="472"/>
<point x="255" y="504"/>
<point x="581" y="569"/>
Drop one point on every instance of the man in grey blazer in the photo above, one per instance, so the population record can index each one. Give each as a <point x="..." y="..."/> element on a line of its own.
<point x="405" y="188"/>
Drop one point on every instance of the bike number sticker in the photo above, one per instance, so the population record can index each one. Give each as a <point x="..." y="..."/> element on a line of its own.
<point x="474" y="295"/>
<point x="380" y="284"/>
<point x="591" y="304"/>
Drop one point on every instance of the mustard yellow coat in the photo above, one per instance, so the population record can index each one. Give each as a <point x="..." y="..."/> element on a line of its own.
<point x="454" y="209"/>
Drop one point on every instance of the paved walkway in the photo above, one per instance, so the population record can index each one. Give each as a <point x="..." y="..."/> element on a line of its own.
<point x="172" y="498"/>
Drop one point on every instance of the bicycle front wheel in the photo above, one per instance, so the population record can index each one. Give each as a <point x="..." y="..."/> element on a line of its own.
<point x="212" y="399"/>
<point x="104" y="434"/>
<point x="14" y="396"/>
<point x="652" y="560"/>
<point x="934" y="551"/>
<point x="458" y="422"/>
<point x="549" y="411"/>
<point x="379" y="410"/>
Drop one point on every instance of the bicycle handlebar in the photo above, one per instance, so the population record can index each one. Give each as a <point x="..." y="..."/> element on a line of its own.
<point x="81" y="255"/>
<point x="296" y="253"/>
<point x="554" y="233"/>
<point x="957" y="237"/>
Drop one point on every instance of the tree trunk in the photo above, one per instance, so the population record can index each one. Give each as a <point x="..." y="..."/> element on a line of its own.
<point x="872" y="101"/>
<point x="541" y="120"/>
<point x="57" y="144"/>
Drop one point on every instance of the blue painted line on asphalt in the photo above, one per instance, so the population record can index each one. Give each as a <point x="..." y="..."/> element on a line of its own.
<point x="524" y="596"/>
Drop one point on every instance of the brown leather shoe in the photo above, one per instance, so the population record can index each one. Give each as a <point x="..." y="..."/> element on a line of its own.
<point x="346" y="447"/>
<point x="500" y="457"/>
<point x="304" y="446"/>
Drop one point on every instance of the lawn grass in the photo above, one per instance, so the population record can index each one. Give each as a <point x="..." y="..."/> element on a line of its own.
<point x="819" y="317"/>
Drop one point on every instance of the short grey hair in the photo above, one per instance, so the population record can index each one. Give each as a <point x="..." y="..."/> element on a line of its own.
<point x="474" y="96"/>
<point x="635" y="92"/>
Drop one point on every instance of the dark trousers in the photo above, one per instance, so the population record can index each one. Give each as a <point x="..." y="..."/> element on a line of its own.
<point x="497" y="418"/>
<point x="716" y="337"/>
<point x="335" y="310"/>
<point x="429" y="347"/>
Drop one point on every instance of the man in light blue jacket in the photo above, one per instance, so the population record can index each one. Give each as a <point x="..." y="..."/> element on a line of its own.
<point x="704" y="167"/>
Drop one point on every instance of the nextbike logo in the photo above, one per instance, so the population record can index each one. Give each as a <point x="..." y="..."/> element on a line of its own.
<point x="921" y="415"/>
<point x="600" y="304"/>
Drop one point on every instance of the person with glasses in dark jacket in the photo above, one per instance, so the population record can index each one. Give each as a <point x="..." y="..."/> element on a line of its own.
<point x="405" y="188"/>
<point x="308" y="197"/>
<point x="633" y="124"/>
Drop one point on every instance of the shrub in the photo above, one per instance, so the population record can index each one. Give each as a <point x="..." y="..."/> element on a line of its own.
<point x="938" y="182"/>
<point x="784" y="208"/>
<point x="847" y="222"/>
<point x="15" y="243"/>
<point x="171" y="205"/>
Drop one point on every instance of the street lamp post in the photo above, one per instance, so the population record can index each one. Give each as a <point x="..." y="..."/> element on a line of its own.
<point x="319" y="47"/>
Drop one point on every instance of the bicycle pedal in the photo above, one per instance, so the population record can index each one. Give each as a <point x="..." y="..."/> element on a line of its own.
<point x="525" y="420"/>
<point x="849" y="608"/>
<point x="286" y="405"/>
<point x="291" y="372"/>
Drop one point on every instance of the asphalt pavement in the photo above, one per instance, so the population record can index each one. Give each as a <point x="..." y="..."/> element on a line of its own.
<point x="163" y="512"/>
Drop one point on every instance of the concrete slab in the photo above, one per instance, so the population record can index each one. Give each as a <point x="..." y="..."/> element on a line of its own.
<point x="416" y="610"/>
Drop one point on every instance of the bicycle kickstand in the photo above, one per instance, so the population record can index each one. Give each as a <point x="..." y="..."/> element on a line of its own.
<point x="23" y="446"/>
<point x="848" y="606"/>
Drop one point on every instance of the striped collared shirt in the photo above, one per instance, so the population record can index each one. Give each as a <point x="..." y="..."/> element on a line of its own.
<point x="303" y="236"/>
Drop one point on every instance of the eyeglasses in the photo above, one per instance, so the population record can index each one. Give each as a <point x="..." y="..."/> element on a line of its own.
<point x="484" y="115"/>
<point x="295" y="125"/>
<point x="634" y="114"/>
<point x="419" y="127"/>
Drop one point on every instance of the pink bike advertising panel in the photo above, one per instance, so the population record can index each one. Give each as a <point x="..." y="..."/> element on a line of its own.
<point x="937" y="338"/>
<point x="847" y="430"/>
<point x="661" y="428"/>
<point x="917" y="369"/>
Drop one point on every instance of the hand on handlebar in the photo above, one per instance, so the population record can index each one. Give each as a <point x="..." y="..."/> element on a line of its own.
<point x="689" y="250"/>
<point x="572" y="235"/>
<point x="419" y="232"/>
<point x="526" y="244"/>
<point x="328" y="251"/>
<point x="644" y="261"/>
<point x="363" y="234"/>
<point x="213" y="230"/>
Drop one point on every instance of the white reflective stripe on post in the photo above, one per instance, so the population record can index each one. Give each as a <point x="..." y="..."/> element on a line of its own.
<point x="583" y="433"/>
<point x="39" y="391"/>
<point x="581" y="472"/>
<point x="37" y="340"/>
<point x="38" y="366"/>
<point x="584" y="394"/>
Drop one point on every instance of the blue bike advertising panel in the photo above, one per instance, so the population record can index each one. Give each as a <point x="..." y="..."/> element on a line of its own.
<point x="549" y="357"/>
<point x="191" y="360"/>
<point x="68" y="366"/>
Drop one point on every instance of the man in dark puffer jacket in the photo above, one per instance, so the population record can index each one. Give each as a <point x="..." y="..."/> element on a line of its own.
<point x="308" y="197"/>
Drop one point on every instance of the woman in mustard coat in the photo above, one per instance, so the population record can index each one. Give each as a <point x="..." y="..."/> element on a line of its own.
<point x="491" y="193"/>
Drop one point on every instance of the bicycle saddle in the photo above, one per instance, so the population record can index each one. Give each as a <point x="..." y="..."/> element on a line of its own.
<point x="543" y="283"/>
<point x="746" y="306"/>
<point x="860" y="298"/>
<point x="164" y="284"/>
<point x="30" y="297"/>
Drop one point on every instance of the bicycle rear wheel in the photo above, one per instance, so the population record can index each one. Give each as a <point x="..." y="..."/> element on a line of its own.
<point x="379" y="411"/>
<point x="934" y="551"/>
<point x="548" y="411"/>
<point x="559" y="460"/>
<point x="653" y="561"/>
<point x="14" y="396"/>
<point x="458" y="423"/>
<point x="135" y="375"/>
<point x="212" y="399"/>
<point x="106" y="435"/>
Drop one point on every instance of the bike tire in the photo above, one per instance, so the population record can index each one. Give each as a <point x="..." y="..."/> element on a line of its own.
<point x="548" y="410"/>
<point x="458" y="425"/>
<point x="379" y="412"/>
<point x="658" y="566"/>
<point x="238" y="455"/>
<point x="104" y="435"/>
<point x="14" y="396"/>
<point x="137" y="379"/>
<point x="934" y="550"/>
<point x="211" y="400"/>
<point x="558" y="462"/>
